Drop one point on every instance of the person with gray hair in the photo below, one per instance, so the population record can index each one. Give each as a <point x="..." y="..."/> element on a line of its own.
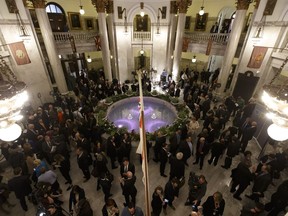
<point x="177" y="166"/>
<point x="128" y="188"/>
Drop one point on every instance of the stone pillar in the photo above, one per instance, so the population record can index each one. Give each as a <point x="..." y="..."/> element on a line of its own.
<point x="171" y="36"/>
<point x="182" y="6"/>
<point x="248" y="35"/>
<point x="238" y="24"/>
<point x="112" y="40"/>
<point x="100" y="8"/>
<point x="50" y="45"/>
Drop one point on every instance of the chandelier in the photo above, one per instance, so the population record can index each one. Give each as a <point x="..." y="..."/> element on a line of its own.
<point x="275" y="98"/>
<point x="12" y="98"/>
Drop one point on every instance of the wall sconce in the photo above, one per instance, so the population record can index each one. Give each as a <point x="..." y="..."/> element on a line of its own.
<point x="194" y="59"/>
<point x="89" y="60"/>
<point x="120" y="16"/>
<point x="201" y="12"/>
<point x="260" y="28"/>
<point x="163" y="13"/>
<point x="142" y="13"/>
<point x="21" y="25"/>
<point x="81" y="11"/>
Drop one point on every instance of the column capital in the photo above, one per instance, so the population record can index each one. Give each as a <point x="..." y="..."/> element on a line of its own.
<point x="100" y="5"/>
<point x="183" y="5"/>
<point x="243" y="4"/>
<point x="39" y="3"/>
<point x="257" y="2"/>
<point x="110" y="7"/>
<point x="173" y="7"/>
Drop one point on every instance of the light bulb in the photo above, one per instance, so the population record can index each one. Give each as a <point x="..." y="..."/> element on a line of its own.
<point x="81" y="11"/>
<point x="201" y="12"/>
<point x="142" y="13"/>
<point x="10" y="133"/>
<point x="141" y="51"/>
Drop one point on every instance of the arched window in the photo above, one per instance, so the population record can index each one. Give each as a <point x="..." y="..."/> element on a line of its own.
<point x="57" y="17"/>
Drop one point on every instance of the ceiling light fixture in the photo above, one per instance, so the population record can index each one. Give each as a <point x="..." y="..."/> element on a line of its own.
<point x="81" y="11"/>
<point x="194" y="59"/>
<point x="275" y="98"/>
<point x="89" y="60"/>
<point x="13" y="95"/>
<point x="142" y="13"/>
<point x="201" y="12"/>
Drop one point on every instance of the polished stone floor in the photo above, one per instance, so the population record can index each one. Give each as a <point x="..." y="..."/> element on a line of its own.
<point x="218" y="180"/>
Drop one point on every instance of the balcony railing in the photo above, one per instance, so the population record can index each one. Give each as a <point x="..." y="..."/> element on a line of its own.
<point x="138" y="36"/>
<point x="63" y="37"/>
<point x="204" y="37"/>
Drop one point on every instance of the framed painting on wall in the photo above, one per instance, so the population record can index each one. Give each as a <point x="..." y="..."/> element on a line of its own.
<point x="200" y="22"/>
<point x="74" y="20"/>
<point x="187" y="22"/>
<point x="141" y="23"/>
<point x="89" y="24"/>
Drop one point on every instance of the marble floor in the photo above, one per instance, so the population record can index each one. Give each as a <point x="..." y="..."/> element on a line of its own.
<point x="217" y="177"/>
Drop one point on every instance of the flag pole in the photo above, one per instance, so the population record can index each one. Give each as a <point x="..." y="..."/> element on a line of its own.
<point x="144" y="148"/>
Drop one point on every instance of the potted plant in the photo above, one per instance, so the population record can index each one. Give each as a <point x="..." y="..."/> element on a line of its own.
<point x="183" y="115"/>
<point x="154" y="93"/>
<point x="129" y="92"/>
<point x="108" y="101"/>
<point x="174" y="100"/>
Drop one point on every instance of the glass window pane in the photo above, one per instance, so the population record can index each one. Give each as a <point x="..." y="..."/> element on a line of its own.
<point x="48" y="10"/>
<point x="53" y="8"/>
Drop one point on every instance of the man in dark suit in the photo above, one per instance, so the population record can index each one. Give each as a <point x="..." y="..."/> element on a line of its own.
<point x="163" y="159"/>
<point x="261" y="182"/>
<point x="175" y="142"/>
<point x="20" y="184"/>
<point x="171" y="191"/>
<point x="202" y="150"/>
<point x="160" y="139"/>
<point x="186" y="147"/>
<point x="83" y="162"/>
<point x="128" y="188"/>
<point x="248" y="134"/>
<point x="126" y="167"/>
<point x="83" y="142"/>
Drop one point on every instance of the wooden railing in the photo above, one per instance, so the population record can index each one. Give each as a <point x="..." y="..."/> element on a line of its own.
<point x="63" y="37"/>
<point x="215" y="37"/>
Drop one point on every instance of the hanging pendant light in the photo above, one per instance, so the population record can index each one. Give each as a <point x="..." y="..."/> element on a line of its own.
<point x="81" y="11"/>
<point x="89" y="60"/>
<point x="201" y="12"/>
<point x="194" y="59"/>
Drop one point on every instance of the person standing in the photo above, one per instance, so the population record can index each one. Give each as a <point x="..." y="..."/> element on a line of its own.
<point x="261" y="182"/>
<point x="241" y="176"/>
<point x="170" y="193"/>
<point x="106" y="185"/>
<point x="248" y="134"/>
<point x="157" y="201"/>
<point x="125" y="167"/>
<point x="217" y="150"/>
<point x="164" y="154"/>
<point x="112" y="151"/>
<point x="197" y="190"/>
<point x="83" y="163"/>
<point x="232" y="150"/>
<point x="177" y="166"/>
<point x="64" y="166"/>
<point x="160" y="139"/>
<point x="20" y="184"/>
<point x="214" y="205"/>
<point x="186" y="147"/>
<point x="128" y="188"/>
<point x="132" y="210"/>
<point x="202" y="149"/>
<point x="77" y="193"/>
<point x="110" y="208"/>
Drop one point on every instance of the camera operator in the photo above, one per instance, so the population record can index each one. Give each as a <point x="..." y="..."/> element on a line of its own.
<point x="197" y="190"/>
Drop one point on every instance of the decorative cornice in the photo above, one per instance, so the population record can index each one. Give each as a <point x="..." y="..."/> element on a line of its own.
<point x="110" y="7"/>
<point x="243" y="4"/>
<point x="183" y="5"/>
<point x="173" y="7"/>
<point x="100" y="5"/>
<point x="38" y="3"/>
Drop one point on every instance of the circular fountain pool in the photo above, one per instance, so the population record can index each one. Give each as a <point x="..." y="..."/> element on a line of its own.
<point x="157" y="113"/>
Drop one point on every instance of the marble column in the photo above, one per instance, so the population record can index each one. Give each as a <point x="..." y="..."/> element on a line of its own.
<point x="100" y="8"/>
<point x="182" y="6"/>
<point x="234" y="37"/>
<point x="248" y="35"/>
<point x="50" y="45"/>
<point x="112" y="39"/>
<point x="171" y="36"/>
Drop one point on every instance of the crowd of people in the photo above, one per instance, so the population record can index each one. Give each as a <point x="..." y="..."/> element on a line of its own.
<point x="68" y="126"/>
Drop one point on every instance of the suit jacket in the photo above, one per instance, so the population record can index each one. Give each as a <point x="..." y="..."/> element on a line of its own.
<point x="248" y="133"/>
<point x="242" y="174"/>
<point x="128" y="187"/>
<point x="185" y="149"/>
<point x="163" y="155"/>
<point x="131" y="168"/>
<point x="83" y="161"/>
<point x="170" y="192"/>
<point x="209" y="207"/>
<point x="20" y="185"/>
<point x="177" y="168"/>
<point x="261" y="182"/>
